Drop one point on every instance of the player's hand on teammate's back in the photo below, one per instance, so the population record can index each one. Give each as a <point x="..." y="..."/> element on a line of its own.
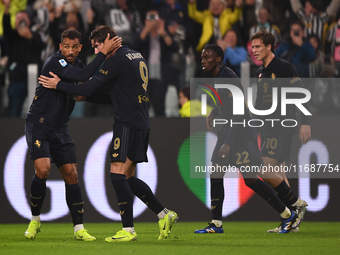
<point x="111" y="44"/>
<point x="81" y="98"/>
<point x="305" y="134"/>
<point x="224" y="151"/>
<point x="47" y="82"/>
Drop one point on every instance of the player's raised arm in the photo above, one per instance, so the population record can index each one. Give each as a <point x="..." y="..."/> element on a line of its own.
<point x="74" y="73"/>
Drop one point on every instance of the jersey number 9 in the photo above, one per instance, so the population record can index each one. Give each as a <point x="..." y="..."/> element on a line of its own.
<point x="143" y="70"/>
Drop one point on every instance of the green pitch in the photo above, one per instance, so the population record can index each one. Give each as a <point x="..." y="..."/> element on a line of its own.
<point x="239" y="238"/>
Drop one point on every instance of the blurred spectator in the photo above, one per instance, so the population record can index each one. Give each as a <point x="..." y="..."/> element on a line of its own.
<point x="248" y="18"/>
<point x="25" y="47"/>
<point x="66" y="15"/>
<point x="315" y="67"/>
<point x="173" y="16"/>
<point x="280" y="13"/>
<point x="123" y="17"/>
<point x="265" y="24"/>
<point x="234" y="53"/>
<point x="190" y="108"/>
<point x="333" y="38"/>
<point x="3" y="64"/>
<point x="315" y="23"/>
<point x="157" y="47"/>
<point x="322" y="66"/>
<point x="297" y="51"/>
<point x="262" y="24"/>
<point x="11" y="8"/>
<point x="67" y="5"/>
<point x="171" y="12"/>
<point x="42" y="16"/>
<point x="215" y="21"/>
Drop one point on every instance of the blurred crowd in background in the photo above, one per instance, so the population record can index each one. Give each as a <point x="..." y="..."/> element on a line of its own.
<point x="171" y="34"/>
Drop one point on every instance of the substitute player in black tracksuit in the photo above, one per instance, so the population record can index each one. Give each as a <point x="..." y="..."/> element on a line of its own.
<point x="236" y="146"/>
<point x="277" y="140"/>
<point x="47" y="134"/>
<point x="125" y="73"/>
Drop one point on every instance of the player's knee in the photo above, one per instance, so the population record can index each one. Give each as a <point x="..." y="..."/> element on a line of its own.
<point x="71" y="177"/>
<point x="42" y="172"/>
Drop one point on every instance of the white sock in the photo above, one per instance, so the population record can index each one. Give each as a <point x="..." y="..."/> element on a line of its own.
<point x="78" y="227"/>
<point x="162" y="214"/>
<point x="286" y="213"/>
<point x="298" y="202"/>
<point x="131" y="230"/>
<point x="36" y="218"/>
<point x="218" y="223"/>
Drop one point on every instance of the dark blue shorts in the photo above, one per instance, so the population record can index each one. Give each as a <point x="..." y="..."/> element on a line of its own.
<point x="129" y="143"/>
<point x="58" y="146"/>
<point x="244" y="153"/>
<point x="277" y="146"/>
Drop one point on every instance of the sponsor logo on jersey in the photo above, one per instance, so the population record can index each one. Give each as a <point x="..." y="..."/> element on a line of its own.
<point x="62" y="62"/>
<point x="103" y="72"/>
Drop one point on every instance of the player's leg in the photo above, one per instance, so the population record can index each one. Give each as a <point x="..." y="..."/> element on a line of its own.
<point x="284" y="192"/>
<point x="38" y="145"/>
<point x="217" y="188"/>
<point x="141" y="190"/>
<point x="283" y="174"/>
<point x="63" y="152"/>
<point x="125" y="201"/>
<point x="74" y="200"/>
<point x="216" y="198"/>
<point x="299" y="206"/>
<point x="38" y="191"/>
<point x="275" y="180"/>
<point x="252" y="157"/>
<point x="137" y="152"/>
<point x="268" y="194"/>
<point x="120" y="166"/>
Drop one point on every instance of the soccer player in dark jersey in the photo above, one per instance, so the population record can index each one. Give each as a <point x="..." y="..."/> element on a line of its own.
<point x="277" y="140"/>
<point x="125" y="72"/>
<point x="47" y="134"/>
<point x="236" y="146"/>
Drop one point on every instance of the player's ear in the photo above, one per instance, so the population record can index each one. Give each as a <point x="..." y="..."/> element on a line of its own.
<point x="59" y="46"/>
<point x="269" y="47"/>
<point x="80" y="47"/>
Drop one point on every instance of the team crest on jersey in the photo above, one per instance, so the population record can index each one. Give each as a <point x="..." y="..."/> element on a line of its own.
<point x="62" y="62"/>
<point x="37" y="143"/>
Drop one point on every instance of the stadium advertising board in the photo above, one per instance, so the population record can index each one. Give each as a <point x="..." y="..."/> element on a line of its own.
<point x="167" y="173"/>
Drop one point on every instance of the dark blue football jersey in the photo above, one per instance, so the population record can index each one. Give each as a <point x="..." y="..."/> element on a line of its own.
<point x="234" y="130"/>
<point x="278" y="74"/>
<point x="51" y="108"/>
<point x="126" y="75"/>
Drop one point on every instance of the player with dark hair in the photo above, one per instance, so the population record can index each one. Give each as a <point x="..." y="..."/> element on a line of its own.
<point x="47" y="134"/>
<point x="236" y="147"/>
<point x="125" y="72"/>
<point x="277" y="140"/>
